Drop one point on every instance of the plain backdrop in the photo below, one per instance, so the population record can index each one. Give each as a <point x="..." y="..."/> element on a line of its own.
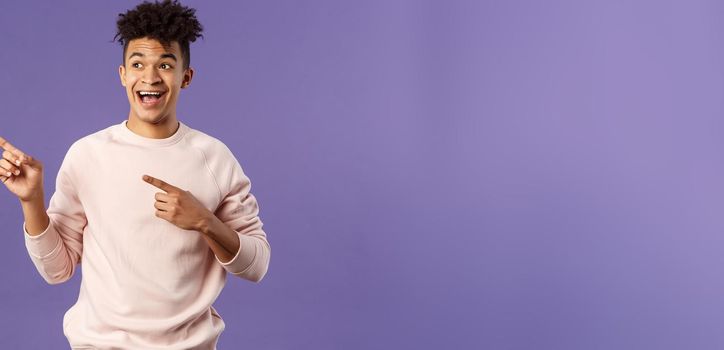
<point x="431" y="174"/>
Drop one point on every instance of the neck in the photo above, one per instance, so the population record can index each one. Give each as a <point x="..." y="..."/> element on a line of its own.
<point x="160" y="130"/>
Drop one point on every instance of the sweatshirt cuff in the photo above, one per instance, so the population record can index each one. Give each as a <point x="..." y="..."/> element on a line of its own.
<point x="44" y="244"/>
<point x="244" y="256"/>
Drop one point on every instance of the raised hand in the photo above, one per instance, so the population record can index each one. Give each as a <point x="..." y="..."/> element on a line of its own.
<point x="179" y="207"/>
<point x="21" y="173"/>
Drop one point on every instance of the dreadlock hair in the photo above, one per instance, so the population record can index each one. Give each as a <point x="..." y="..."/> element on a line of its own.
<point x="165" y="21"/>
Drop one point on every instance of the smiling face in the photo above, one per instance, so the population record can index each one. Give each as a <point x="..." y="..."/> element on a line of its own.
<point x="153" y="76"/>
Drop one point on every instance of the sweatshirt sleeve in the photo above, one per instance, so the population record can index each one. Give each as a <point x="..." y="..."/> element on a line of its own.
<point x="57" y="250"/>
<point x="240" y="211"/>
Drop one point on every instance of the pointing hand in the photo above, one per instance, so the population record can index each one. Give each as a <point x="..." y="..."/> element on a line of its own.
<point x="20" y="173"/>
<point x="178" y="207"/>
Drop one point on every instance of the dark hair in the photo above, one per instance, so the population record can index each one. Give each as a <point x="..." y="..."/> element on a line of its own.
<point x="165" y="21"/>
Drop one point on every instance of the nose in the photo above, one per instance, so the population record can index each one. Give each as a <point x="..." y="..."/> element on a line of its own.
<point x="150" y="77"/>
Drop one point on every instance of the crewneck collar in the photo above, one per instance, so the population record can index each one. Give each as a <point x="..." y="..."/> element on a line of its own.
<point x="134" y="138"/>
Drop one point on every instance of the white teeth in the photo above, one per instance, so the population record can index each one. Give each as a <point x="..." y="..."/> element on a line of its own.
<point x="144" y="93"/>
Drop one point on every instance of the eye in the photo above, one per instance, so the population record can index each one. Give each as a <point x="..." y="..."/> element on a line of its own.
<point x="136" y="65"/>
<point x="165" y="66"/>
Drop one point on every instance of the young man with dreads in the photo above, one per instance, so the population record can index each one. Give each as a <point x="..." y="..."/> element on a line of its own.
<point x="155" y="212"/>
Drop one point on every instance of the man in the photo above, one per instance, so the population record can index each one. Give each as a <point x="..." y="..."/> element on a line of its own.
<point x="155" y="212"/>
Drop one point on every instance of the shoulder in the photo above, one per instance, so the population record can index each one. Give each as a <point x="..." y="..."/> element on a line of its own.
<point x="218" y="157"/>
<point x="211" y="147"/>
<point x="84" y="146"/>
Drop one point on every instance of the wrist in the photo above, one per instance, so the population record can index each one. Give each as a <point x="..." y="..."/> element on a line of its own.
<point x="33" y="199"/>
<point x="206" y="224"/>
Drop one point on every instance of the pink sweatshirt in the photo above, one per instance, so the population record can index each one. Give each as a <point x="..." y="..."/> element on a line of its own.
<point x="146" y="284"/>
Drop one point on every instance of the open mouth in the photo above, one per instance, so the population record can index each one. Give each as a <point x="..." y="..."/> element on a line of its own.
<point x="150" y="97"/>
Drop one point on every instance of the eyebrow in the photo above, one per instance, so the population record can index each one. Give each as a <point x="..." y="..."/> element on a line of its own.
<point x="166" y="55"/>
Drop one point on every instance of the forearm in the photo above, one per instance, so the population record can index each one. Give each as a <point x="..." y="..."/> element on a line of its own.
<point x="36" y="217"/>
<point x="222" y="240"/>
<point x="54" y="255"/>
<point x="245" y="255"/>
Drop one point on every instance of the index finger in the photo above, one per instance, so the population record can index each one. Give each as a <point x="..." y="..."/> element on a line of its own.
<point x="4" y="144"/>
<point x="159" y="183"/>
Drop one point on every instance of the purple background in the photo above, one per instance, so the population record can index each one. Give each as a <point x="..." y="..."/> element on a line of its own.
<point x="431" y="174"/>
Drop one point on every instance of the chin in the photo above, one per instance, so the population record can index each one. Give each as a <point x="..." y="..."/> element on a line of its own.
<point x="153" y="119"/>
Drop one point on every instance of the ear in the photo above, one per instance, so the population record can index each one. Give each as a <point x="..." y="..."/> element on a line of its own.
<point x="188" y="75"/>
<point x="122" y="74"/>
